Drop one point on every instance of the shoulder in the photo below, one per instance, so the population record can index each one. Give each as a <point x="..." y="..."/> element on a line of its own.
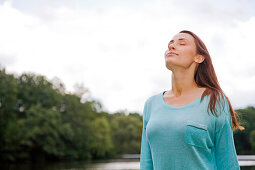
<point x="149" y="102"/>
<point x="223" y="112"/>
<point x="152" y="98"/>
<point x="222" y="106"/>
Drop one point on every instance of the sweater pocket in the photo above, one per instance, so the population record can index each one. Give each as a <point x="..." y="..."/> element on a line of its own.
<point x="196" y="134"/>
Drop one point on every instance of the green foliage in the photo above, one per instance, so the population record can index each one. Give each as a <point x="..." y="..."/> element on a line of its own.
<point x="33" y="89"/>
<point x="8" y="129"/>
<point x="126" y="133"/>
<point x="252" y="140"/>
<point x="40" y="121"/>
<point x="44" y="129"/>
<point x="101" y="142"/>
<point x="244" y="140"/>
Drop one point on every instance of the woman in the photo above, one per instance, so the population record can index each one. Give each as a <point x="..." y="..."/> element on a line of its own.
<point x="190" y="126"/>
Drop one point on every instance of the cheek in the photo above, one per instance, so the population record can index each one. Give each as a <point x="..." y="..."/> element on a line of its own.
<point x="187" y="55"/>
<point x="165" y="53"/>
<point x="188" y="52"/>
<point x="185" y="61"/>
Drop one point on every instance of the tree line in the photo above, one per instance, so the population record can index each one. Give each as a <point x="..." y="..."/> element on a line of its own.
<point x="40" y="120"/>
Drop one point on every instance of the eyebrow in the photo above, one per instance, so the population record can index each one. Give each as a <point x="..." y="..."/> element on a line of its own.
<point x="178" y="39"/>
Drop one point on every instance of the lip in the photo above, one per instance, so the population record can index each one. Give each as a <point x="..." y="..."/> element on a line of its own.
<point x="171" y="53"/>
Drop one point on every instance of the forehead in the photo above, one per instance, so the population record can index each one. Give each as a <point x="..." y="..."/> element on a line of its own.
<point x="184" y="36"/>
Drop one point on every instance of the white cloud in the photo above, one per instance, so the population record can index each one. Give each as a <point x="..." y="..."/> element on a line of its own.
<point x="118" y="51"/>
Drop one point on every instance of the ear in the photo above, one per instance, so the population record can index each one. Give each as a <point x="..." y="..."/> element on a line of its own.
<point x="199" y="58"/>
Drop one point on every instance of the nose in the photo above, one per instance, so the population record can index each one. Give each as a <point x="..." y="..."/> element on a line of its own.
<point x="171" y="46"/>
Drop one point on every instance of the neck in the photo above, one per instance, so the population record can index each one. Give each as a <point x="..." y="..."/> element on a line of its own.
<point x="183" y="84"/>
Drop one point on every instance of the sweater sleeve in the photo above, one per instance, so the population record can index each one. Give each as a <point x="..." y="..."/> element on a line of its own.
<point x="145" y="154"/>
<point x="225" y="152"/>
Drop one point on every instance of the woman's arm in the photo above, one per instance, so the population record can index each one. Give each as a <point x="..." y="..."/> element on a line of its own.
<point x="145" y="154"/>
<point x="225" y="152"/>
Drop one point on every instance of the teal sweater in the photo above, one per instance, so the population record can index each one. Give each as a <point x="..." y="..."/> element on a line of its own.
<point x="186" y="137"/>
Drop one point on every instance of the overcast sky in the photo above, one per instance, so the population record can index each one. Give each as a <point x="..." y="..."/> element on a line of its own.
<point x="116" y="47"/>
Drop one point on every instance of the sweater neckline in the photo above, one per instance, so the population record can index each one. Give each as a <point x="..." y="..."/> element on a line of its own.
<point x="178" y="107"/>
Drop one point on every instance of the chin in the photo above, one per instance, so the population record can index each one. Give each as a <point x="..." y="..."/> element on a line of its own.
<point x="169" y="66"/>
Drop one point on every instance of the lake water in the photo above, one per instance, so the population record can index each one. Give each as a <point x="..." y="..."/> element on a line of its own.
<point x="114" y="164"/>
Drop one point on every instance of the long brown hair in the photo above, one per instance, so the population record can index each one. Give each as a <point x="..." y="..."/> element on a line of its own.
<point x="205" y="76"/>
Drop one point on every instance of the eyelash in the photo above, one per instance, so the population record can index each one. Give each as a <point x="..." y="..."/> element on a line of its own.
<point x="180" y="44"/>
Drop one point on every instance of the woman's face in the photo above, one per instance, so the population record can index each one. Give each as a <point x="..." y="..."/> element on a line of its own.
<point x="184" y="54"/>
